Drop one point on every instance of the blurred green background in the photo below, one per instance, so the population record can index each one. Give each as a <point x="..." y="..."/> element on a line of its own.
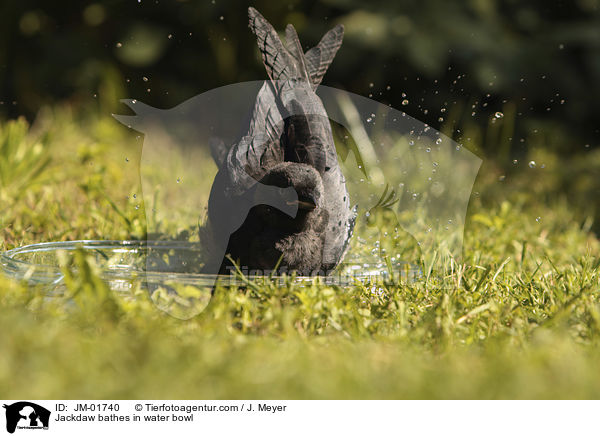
<point x="540" y="60"/>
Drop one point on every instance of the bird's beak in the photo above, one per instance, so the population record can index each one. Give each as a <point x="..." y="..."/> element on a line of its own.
<point x="304" y="204"/>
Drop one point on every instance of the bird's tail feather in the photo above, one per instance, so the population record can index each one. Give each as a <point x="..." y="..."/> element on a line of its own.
<point x="284" y="63"/>
<point x="320" y="57"/>
<point x="278" y="61"/>
<point x="295" y="49"/>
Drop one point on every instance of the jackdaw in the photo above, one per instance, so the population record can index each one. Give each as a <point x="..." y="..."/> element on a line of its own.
<point x="280" y="194"/>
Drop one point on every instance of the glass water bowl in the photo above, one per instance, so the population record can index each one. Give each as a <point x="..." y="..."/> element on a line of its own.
<point x="125" y="264"/>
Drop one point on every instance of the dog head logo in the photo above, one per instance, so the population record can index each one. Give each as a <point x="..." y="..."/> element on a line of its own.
<point x="26" y="415"/>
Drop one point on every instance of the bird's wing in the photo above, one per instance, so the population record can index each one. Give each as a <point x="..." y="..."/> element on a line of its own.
<point x="320" y="57"/>
<point x="249" y="160"/>
<point x="266" y="117"/>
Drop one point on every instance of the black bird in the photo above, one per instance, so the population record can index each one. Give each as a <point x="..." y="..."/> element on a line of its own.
<point x="280" y="193"/>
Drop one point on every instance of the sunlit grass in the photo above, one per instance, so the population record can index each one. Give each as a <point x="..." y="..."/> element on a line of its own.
<point x="518" y="317"/>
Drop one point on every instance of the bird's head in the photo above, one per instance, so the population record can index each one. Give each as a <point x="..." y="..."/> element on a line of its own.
<point x="304" y="179"/>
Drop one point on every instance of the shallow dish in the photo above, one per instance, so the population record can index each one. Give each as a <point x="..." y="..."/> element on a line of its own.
<point x="125" y="264"/>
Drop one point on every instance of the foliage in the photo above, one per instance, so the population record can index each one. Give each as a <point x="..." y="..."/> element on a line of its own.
<point x="23" y="160"/>
<point x="472" y="58"/>
<point x="519" y="317"/>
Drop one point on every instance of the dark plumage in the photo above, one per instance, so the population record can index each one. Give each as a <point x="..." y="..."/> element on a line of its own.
<point x="279" y="191"/>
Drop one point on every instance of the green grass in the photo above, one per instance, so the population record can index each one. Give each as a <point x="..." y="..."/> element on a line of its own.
<point x="518" y="317"/>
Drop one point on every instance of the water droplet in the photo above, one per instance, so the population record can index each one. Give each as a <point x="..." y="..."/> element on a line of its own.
<point x="134" y="195"/>
<point x="371" y="85"/>
<point x="499" y="115"/>
<point x="538" y="219"/>
<point x="438" y="141"/>
<point x="170" y="36"/>
<point x="145" y="79"/>
<point x="126" y="159"/>
<point x="411" y="142"/>
<point x="404" y="102"/>
<point x="428" y="150"/>
<point x="178" y="180"/>
<point x="388" y="87"/>
<point x="531" y="164"/>
<point x="118" y="45"/>
<point x="221" y="18"/>
<point x="515" y="161"/>
<point x="137" y="206"/>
